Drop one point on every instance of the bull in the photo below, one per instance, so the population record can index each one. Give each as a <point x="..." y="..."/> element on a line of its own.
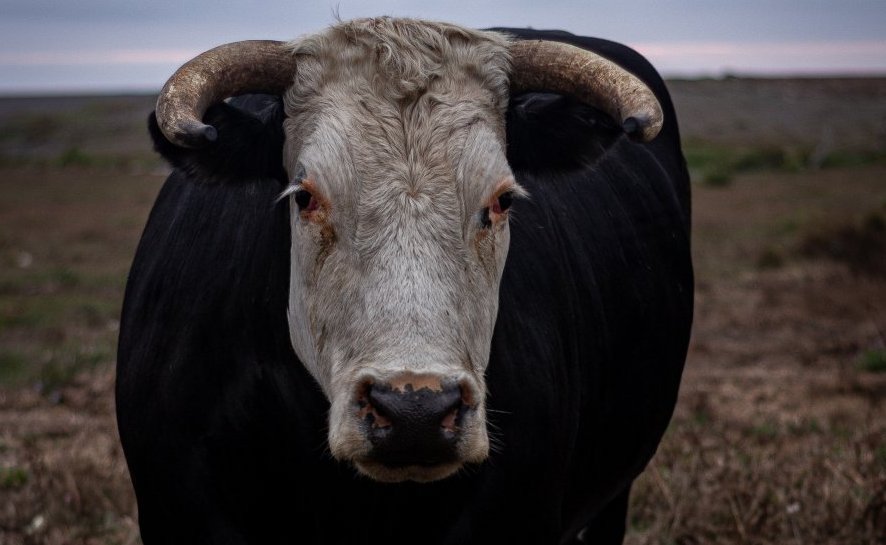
<point x="415" y="284"/>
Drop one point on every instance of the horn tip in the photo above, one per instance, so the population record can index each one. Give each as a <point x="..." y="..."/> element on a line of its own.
<point x="209" y="133"/>
<point x="640" y="129"/>
<point x="191" y="134"/>
<point x="631" y="125"/>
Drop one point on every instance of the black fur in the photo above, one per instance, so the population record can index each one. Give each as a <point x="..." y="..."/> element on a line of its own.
<point x="225" y="432"/>
<point x="553" y="132"/>
<point x="666" y="146"/>
<point x="249" y="144"/>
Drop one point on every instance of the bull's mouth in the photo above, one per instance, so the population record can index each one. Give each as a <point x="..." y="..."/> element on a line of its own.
<point x="416" y="473"/>
<point x="423" y="467"/>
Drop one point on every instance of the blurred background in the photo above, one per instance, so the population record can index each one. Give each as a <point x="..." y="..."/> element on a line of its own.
<point x="55" y="46"/>
<point x="779" y="435"/>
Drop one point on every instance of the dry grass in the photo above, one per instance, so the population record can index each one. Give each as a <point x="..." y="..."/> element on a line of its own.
<point x="73" y="485"/>
<point x="778" y="437"/>
<point x="780" y="433"/>
<point x="66" y="239"/>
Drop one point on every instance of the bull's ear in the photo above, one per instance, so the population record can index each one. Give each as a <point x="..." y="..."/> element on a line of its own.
<point x="249" y="143"/>
<point x="552" y="132"/>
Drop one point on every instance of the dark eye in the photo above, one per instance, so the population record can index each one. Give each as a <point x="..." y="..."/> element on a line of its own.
<point x="305" y="200"/>
<point x="503" y="202"/>
<point x="499" y="206"/>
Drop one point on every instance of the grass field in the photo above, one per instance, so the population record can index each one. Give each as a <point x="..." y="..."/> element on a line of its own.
<point x="780" y="433"/>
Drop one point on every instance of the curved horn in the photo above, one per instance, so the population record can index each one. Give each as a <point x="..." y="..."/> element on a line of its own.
<point x="254" y="66"/>
<point x="555" y="67"/>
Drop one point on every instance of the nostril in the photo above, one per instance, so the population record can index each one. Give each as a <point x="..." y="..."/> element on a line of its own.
<point x="369" y="411"/>
<point x="379" y="401"/>
<point x="450" y="421"/>
<point x="453" y="407"/>
<point x="408" y="407"/>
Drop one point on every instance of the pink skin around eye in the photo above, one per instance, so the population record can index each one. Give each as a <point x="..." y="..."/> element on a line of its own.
<point x="317" y="199"/>
<point x="495" y="209"/>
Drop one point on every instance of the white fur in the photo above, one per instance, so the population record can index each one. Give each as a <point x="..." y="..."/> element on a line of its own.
<point x="399" y="126"/>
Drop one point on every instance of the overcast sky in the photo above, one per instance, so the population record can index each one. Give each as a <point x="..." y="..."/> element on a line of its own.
<point x="134" y="45"/>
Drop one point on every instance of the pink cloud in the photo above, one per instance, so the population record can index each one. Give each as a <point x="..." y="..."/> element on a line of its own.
<point x="801" y="57"/>
<point x="87" y="58"/>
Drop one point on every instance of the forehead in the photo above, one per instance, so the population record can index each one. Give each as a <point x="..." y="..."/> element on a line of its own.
<point x="398" y="71"/>
<point x="414" y="144"/>
<point x="403" y="58"/>
<point x="397" y="87"/>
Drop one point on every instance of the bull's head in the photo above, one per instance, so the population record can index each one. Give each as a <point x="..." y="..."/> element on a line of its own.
<point x="399" y="194"/>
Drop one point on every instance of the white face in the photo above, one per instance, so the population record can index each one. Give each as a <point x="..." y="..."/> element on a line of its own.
<point x="399" y="237"/>
<point x="394" y="279"/>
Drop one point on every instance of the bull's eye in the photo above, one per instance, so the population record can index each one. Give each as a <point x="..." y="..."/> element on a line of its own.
<point x="305" y="200"/>
<point x="503" y="202"/>
<point x="496" y="209"/>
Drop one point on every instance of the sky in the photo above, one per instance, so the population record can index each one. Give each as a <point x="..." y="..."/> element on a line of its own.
<point x="107" y="46"/>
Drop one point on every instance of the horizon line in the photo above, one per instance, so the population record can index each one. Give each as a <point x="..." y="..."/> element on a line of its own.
<point x="100" y="91"/>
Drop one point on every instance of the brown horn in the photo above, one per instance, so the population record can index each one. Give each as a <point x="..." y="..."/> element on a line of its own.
<point x="255" y="66"/>
<point x="554" y="67"/>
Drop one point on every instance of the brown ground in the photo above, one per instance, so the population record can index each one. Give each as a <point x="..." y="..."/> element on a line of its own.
<point x="779" y="435"/>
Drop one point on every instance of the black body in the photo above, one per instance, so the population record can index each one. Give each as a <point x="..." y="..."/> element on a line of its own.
<point x="225" y="431"/>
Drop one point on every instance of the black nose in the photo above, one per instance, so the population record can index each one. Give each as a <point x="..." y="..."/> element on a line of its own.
<point x="409" y="426"/>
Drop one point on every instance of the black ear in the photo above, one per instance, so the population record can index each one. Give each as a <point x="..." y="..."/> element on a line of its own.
<point x="249" y="144"/>
<point x="552" y="132"/>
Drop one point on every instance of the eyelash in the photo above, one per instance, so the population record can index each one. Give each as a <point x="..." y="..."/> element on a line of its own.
<point x="304" y="199"/>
